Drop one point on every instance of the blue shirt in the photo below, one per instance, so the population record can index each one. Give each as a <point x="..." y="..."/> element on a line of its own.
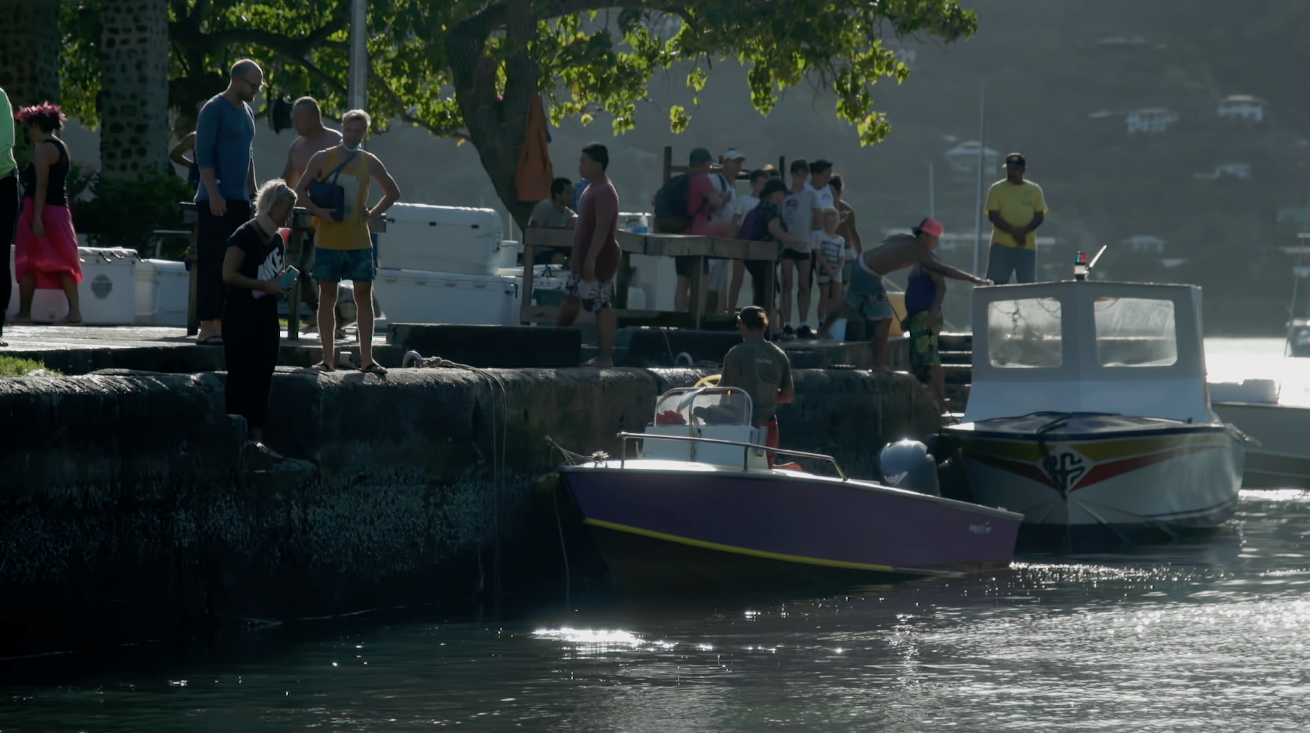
<point x="920" y="291"/>
<point x="225" y="141"/>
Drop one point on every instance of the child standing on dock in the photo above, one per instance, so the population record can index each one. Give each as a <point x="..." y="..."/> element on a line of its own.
<point x="829" y="253"/>
<point x="924" y="293"/>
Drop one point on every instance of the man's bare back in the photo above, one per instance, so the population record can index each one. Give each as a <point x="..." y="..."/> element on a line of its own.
<point x="303" y="148"/>
<point x="897" y="252"/>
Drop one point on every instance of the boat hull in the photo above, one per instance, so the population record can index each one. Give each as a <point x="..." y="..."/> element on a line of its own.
<point x="1122" y="478"/>
<point x="1282" y="457"/>
<point x="666" y="525"/>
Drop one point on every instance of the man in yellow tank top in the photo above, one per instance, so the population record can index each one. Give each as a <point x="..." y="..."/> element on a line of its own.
<point x="343" y="246"/>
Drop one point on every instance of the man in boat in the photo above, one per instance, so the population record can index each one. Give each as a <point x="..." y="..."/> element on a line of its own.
<point x="867" y="293"/>
<point x="760" y="368"/>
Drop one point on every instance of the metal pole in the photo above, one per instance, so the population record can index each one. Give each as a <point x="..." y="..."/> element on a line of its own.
<point x="357" y="83"/>
<point x="932" y="195"/>
<point x="978" y="210"/>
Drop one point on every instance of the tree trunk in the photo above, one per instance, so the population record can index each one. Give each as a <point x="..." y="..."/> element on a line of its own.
<point x="134" y="80"/>
<point x="29" y="51"/>
<point x="496" y="124"/>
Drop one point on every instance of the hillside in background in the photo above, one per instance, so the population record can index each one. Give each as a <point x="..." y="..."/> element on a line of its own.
<point x="1065" y="82"/>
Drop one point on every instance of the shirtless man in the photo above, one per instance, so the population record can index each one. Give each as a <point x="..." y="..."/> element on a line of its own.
<point x="311" y="137"/>
<point x="866" y="291"/>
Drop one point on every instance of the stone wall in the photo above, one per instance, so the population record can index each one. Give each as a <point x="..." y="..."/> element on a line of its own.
<point x="131" y="508"/>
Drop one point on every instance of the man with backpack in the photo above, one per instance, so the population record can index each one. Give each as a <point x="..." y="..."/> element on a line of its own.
<point x="683" y="206"/>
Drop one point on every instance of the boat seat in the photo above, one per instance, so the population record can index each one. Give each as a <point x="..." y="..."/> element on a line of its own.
<point x="722" y="455"/>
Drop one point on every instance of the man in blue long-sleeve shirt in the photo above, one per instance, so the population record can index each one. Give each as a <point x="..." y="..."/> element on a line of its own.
<point x="225" y="136"/>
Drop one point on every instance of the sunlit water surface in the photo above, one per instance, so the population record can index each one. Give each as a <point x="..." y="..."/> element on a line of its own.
<point x="1207" y="635"/>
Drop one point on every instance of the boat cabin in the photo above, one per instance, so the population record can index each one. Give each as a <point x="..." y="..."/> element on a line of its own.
<point x="1087" y="346"/>
<point x="706" y="413"/>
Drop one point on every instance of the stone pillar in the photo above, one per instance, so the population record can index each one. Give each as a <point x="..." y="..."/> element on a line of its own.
<point x="134" y="86"/>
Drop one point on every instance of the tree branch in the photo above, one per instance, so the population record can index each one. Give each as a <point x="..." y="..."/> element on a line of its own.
<point x="339" y="21"/>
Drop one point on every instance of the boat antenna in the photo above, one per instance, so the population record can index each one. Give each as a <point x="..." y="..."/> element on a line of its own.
<point x="1097" y="258"/>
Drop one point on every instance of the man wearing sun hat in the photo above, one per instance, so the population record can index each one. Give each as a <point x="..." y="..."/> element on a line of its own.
<point x="868" y="294"/>
<point x="1015" y="208"/>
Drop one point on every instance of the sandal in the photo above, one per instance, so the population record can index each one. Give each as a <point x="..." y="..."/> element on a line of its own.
<point x="373" y="368"/>
<point x="215" y="340"/>
<point x="66" y="322"/>
<point x="323" y="366"/>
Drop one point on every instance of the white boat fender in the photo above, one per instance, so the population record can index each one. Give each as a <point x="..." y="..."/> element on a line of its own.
<point x="907" y="464"/>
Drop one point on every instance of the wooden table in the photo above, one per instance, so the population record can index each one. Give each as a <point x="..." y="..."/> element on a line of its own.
<point x="654" y="245"/>
<point x="301" y="222"/>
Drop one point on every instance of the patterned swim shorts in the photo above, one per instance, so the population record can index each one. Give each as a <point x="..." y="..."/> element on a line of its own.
<point x="924" y="353"/>
<point x="594" y="295"/>
<point x="335" y="265"/>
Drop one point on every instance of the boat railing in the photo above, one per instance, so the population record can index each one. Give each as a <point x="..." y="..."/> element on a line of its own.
<point x="745" y="454"/>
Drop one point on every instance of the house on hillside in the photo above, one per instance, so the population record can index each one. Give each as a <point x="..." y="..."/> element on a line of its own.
<point x="1151" y="120"/>
<point x="1241" y="108"/>
<point x="1144" y="244"/>
<point x="1122" y="42"/>
<point x="963" y="158"/>
<point x="1240" y="171"/>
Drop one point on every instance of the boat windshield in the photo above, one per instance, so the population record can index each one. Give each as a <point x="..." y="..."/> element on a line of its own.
<point x="1025" y="333"/>
<point x="1135" y="332"/>
<point x="704" y="406"/>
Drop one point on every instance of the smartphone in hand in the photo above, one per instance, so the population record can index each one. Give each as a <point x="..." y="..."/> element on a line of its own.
<point x="288" y="277"/>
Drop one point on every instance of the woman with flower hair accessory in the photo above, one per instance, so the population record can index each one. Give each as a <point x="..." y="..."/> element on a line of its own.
<point x="45" y="247"/>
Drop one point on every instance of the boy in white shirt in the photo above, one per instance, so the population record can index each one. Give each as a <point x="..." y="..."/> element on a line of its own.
<point x="742" y="205"/>
<point x="829" y="249"/>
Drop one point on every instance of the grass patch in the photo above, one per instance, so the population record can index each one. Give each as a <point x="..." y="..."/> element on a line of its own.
<point x="14" y="367"/>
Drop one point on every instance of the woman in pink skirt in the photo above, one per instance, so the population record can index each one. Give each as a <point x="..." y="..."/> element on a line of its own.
<point x="45" y="246"/>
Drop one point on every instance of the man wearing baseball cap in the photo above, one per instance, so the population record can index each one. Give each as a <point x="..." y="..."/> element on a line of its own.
<point x="867" y="293"/>
<point x="760" y="368"/>
<point x="720" y="225"/>
<point x="1016" y="208"/>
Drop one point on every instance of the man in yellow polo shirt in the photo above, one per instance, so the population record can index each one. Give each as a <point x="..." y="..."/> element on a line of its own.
<point x="1016" y="208"/>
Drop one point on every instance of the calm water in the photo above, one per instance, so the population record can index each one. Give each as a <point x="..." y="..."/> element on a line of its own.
<point x="1204" y="635"/>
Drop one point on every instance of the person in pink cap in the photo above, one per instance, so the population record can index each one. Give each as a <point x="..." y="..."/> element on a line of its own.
<point x="867" y="293"/>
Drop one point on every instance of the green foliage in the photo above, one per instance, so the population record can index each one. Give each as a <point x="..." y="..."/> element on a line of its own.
<point x="590" y="57"/>
<point x="123" y="212"/>
<point x="14" y="367"/>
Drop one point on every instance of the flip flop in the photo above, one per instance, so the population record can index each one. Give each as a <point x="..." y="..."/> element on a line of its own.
<point x="66" y="322"/>
<point x="594" y="363"/>
<point x="373" y="368"/>
<point x="215" y="340"/>
<point x="323" y="367"/>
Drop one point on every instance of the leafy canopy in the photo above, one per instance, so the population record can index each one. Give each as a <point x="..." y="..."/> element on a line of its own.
<point x="590" y="56"/>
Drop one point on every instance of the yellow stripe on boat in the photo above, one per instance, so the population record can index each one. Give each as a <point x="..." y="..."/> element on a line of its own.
<point x="743" y="551"/>
<point x="1134" y="447"/>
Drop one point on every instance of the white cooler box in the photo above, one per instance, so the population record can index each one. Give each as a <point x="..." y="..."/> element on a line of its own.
<point x="162" y="289"/>
<point x="409" y="296"/>
<point x="441" y="239"/>
<point x="107" y="293"/>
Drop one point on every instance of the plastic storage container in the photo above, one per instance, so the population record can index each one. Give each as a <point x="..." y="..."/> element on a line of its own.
<point x="162" y="289"/>
<point x="441" y="239"/>
<point x="411" y="296"/>
<point x="107" y="293"/>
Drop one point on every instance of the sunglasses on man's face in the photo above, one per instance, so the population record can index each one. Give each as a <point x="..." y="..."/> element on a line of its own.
<point x="252" y="84"/>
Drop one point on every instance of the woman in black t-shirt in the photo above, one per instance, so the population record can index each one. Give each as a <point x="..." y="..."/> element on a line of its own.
<point x="251" y="334"/>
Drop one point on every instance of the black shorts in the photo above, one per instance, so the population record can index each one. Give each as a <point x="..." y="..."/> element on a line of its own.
<point x="683" y="266"/>
<point x="795" y="255"/>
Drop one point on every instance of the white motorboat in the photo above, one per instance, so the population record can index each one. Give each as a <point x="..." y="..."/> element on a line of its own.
<point x="1281" y="456"/>
<point x="1089" y="411"/>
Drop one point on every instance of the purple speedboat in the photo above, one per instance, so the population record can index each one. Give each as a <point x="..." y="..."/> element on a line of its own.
<point x="699" y="509"/>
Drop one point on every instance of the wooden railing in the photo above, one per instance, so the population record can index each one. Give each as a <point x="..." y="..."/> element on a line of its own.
<point x="653" y="245"/>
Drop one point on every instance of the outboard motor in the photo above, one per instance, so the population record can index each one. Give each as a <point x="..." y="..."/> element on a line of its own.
<point x="907" y="464"/>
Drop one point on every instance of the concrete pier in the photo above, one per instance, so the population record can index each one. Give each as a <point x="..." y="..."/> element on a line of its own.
<point x="131" y="508"/>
